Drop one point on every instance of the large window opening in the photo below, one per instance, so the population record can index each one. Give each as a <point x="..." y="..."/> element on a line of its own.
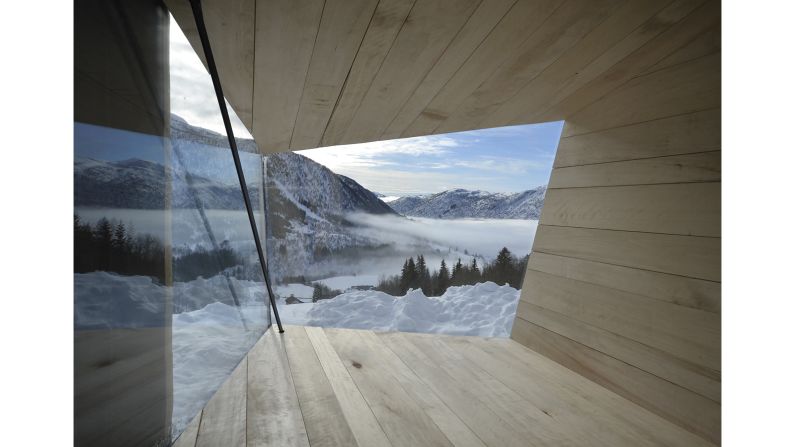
<point x="425" y="234"/>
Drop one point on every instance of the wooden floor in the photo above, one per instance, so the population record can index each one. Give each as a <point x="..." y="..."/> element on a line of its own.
<point x="341" y="387"/>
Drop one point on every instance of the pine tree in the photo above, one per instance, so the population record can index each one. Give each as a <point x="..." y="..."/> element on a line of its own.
<point x="413" y="278"/>
<point x="503" y="267"/>
<point x="443" y="282"/>
<point x="405" y="277"/>
<point x="457" y="278"/>
<point x="423" y="276"/>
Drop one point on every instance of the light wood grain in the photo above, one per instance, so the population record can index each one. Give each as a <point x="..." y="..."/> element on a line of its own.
<point x="503" y="43"/>
<point x="323" y="418"/>
<point x="428" y="30"/>
<point x="488" y="14"/>
<point x="568" y="69"/>
<point x="688" y="333"/>
<point x="285" y="37"/>
<point x="360" y="417"/>
<point x="690" y="168"/>
<point x="459" y="397"/>
<point x="695" y="293"/>
<point x="273" y="414"/>
<point x="681" y="134"/>
<point x="339" y="37"/>
<point x="653" y="96"/>
<point x="387" y="21"/>
<point x="223" y="420"/>
<point x="691" y="209"/>
<point x="690" y="256"/>
<point x="564" y="28"/>
<point x="690" y="410"/>
<point x="674" y="27"/>
<point x="446" y="419"/>
<point x="401" y="418"/>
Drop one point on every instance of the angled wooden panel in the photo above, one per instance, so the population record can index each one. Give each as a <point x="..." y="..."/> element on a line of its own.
<point x="567" y="69"/>
<point x="342" y="28"/>
<point x="684" y="88"/>
<point x="684" y="332"/>
<point x="401" y="418"/>
<point x="691" y="256"/>
<point x="285" y="36"/>
<point x="502" y="44"/>
<point x="690" y="168"/>
<point x="360" y="417"/>
<point x="482" y="22"/>
<point x="564" y="28"/>
<point x="691" y="376"/>
<point x="691" y="209"/>
<point x="230" y="27"/>
<point x="428" y="30"/>
<point x="223" y="421"/>
<point x="325" y="424"/>
<point x="387" y="21"/>
<point x="695" y="293"/>
<point x="610" y="61"/>
<point x="681" y="134"/>
<point x="663" y="44"/>
<point x="685" y="408"/>
<point x="272" y="409"/>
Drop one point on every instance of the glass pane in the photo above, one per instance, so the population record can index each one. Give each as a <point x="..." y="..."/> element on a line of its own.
<point x="169" y="294"/>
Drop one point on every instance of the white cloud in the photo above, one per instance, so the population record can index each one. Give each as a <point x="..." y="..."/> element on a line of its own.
<point x="192" y="94"/>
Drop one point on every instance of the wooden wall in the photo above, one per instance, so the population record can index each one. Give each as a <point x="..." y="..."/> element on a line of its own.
<point x="623" y="285"/>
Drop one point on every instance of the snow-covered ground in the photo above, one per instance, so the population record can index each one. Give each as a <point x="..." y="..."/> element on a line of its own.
<point x="296" y="290"/>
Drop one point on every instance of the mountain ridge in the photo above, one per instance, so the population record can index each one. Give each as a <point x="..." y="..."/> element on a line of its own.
<point x="462" y="203"/>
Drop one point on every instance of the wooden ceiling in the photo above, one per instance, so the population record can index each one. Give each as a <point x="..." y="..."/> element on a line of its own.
<point x="310" y="73"/>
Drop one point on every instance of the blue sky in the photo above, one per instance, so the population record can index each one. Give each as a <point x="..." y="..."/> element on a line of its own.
<point x="506" y="159"/>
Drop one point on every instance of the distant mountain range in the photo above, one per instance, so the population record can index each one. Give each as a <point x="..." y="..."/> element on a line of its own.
<point x="462" y="203"/>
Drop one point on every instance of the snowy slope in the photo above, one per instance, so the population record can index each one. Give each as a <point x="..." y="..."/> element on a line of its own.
<point x="462" y="203"/>
<point x="485" y="310"/>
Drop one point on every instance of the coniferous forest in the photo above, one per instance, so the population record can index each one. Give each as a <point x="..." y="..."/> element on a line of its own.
<point x="415" y="274"/>
<point x="112" y="246"/>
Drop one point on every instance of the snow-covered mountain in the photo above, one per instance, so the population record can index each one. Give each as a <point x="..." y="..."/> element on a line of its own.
<point x="462" y="203"/>
<point x="140" y="184"/>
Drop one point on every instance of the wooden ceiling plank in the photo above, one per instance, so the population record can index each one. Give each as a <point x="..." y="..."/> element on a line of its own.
<point x="230" y="27"/>
<point x="342" y="29"/>
<point x="285" y="38"/>
<point x="656" y="95"/>
<point x="477" y="28"/>
<point x="567" y="69"/>
<point x="424" y="37"/>
<point x="564" y="29"/>
<point x="503" y="43"/>
<point x="651" y="51"/>
<point x="387" y="20"/>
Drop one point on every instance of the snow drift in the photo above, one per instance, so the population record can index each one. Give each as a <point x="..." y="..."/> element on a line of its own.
<point x="485" y="310"/>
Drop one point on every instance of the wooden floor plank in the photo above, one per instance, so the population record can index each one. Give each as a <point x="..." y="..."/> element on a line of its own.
<point x="224" y="419"/>
<point x="457" y="395"/>
<point x="534" y="423"/>
<point x="273" y="414"/>
<point x="325" y="424"/>
<point x="459" y="434"/>
<point x="403" y="420"/>
<point x="361" y="420"/>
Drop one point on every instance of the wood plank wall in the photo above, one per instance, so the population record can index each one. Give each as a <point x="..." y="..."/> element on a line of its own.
<point x="623" y="285"/>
